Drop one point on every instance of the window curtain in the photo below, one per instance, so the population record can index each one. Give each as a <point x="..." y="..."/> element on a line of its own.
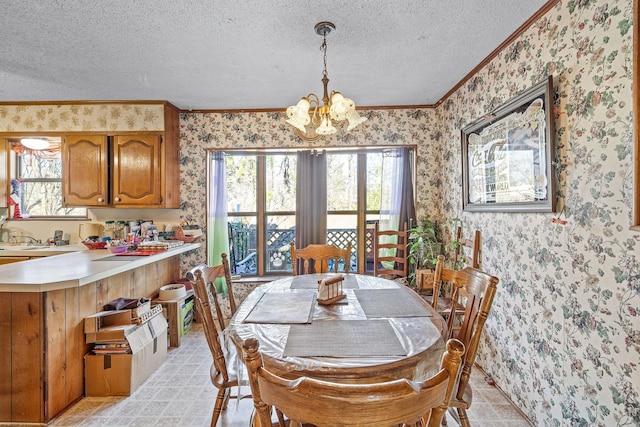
<point x="311" y="198"/>
<point x="397" y="201"/>
<point x="217" y="228"/>
<point x="407" y="209"/>
<point x="53" y="152"/>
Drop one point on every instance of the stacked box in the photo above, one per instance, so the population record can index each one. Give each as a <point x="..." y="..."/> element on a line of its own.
<point x="125" y="355"/>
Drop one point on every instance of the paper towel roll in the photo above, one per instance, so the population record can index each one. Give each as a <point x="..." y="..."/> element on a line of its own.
<point x="172" y="291"/>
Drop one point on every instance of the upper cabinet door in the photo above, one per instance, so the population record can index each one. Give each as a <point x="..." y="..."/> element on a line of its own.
<point x="85" y="179"/>
<point x="137" y="170"/>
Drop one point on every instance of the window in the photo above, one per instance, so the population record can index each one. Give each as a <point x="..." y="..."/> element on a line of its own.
<point x="261" y="206"/>
<point x="37" y="183"/>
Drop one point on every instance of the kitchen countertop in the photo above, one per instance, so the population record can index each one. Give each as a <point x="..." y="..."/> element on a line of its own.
<point x="72" y="266"/>
<point x="38" y="251"/>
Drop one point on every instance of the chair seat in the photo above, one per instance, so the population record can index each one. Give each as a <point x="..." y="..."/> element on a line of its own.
<point x="231" y="356"/>
<point x="444" y="305"/>
<point x="403" y="281"/>
<point x="218" y="381"/>
<point x="458" y="408"/>
<point x="465" y="402"/>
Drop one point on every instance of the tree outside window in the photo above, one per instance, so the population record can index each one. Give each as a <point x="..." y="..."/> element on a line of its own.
<point x="38" y="185"/>
<point x="261" y="206"/>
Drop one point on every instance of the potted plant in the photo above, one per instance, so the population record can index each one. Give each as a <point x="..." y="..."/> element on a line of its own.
<point x="424" y="247"/>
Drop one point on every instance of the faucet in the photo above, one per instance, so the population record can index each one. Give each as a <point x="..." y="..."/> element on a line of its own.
<point x="31" y="241"/>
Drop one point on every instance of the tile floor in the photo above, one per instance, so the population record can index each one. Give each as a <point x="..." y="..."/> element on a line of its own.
<point x="180" y="393"/>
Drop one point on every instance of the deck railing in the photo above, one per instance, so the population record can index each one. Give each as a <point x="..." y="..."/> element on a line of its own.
<point x="243" y="250"/>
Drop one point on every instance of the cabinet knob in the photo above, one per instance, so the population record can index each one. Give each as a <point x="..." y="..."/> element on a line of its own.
<point x="100" y="200"/>
<point x="117" y="199"/>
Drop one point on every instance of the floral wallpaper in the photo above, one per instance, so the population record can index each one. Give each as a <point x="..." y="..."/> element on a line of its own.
<point x="81" y="117"/>
<point x="563" y="339"/>
<point x="202" y="131"/>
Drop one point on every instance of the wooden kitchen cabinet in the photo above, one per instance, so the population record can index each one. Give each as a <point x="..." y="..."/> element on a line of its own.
<point x="85" y="170"/>
<point x="132" y="170"/>
<point x="137" y="170"/>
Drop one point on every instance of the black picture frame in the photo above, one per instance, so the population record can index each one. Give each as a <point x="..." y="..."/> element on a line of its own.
<point x="507" y="155"/>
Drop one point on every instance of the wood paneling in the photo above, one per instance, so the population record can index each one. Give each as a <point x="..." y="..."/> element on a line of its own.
<point x="101" y="294"/>
<point x="27" y="371"/>
<point x="87" y="297"/>
<point x="5" y="356"/>
<point x="80" y="303"/>
<point x="117" y="287"/>
<point x="152" y="280"/>
<point x="139" y="282"/>
<point x="55" y="351"/>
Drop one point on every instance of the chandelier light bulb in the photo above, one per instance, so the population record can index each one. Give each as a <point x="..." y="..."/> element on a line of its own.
<point x="298" y="115"/>
<point x="326" y="127"/>
<point x="340" y="106"/>
<point x="354" y="119"/>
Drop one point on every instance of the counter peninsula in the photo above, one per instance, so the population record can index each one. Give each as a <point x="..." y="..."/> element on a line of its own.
<point x="43" y="303"/>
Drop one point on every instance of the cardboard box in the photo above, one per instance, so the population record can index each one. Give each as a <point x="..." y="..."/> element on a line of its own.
<point x="122" y="374"/>
<point x="104" y="319"/>
<point x="110" y="333"/>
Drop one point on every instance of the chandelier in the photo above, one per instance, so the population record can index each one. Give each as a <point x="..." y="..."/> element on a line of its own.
<point x="318" y="122"/>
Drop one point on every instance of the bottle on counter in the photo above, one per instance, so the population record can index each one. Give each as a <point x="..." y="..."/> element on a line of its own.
<point x="120" y="229"/>
<point x="126" y="228"/>
<point x="109" y="229"/>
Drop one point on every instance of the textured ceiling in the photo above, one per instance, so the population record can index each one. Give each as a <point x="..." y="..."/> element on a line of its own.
<point x="234" y="54"/>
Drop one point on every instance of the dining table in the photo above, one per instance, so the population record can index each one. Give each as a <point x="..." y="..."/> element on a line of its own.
<point x="380" y="331"/>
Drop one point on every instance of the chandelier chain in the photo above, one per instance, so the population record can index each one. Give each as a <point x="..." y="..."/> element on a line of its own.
<point x="323" y="48"/>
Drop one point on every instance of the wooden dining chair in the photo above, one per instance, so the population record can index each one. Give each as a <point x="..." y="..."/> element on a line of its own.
<point x="443" y="276"/>
<point x="460" y="259"/>
<point x="476" y="290"/>
<point x="223" y="371"/>
<point x="390" y="252"/>
<point x="330" y="404"/>
<point x="316" y="258"/>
